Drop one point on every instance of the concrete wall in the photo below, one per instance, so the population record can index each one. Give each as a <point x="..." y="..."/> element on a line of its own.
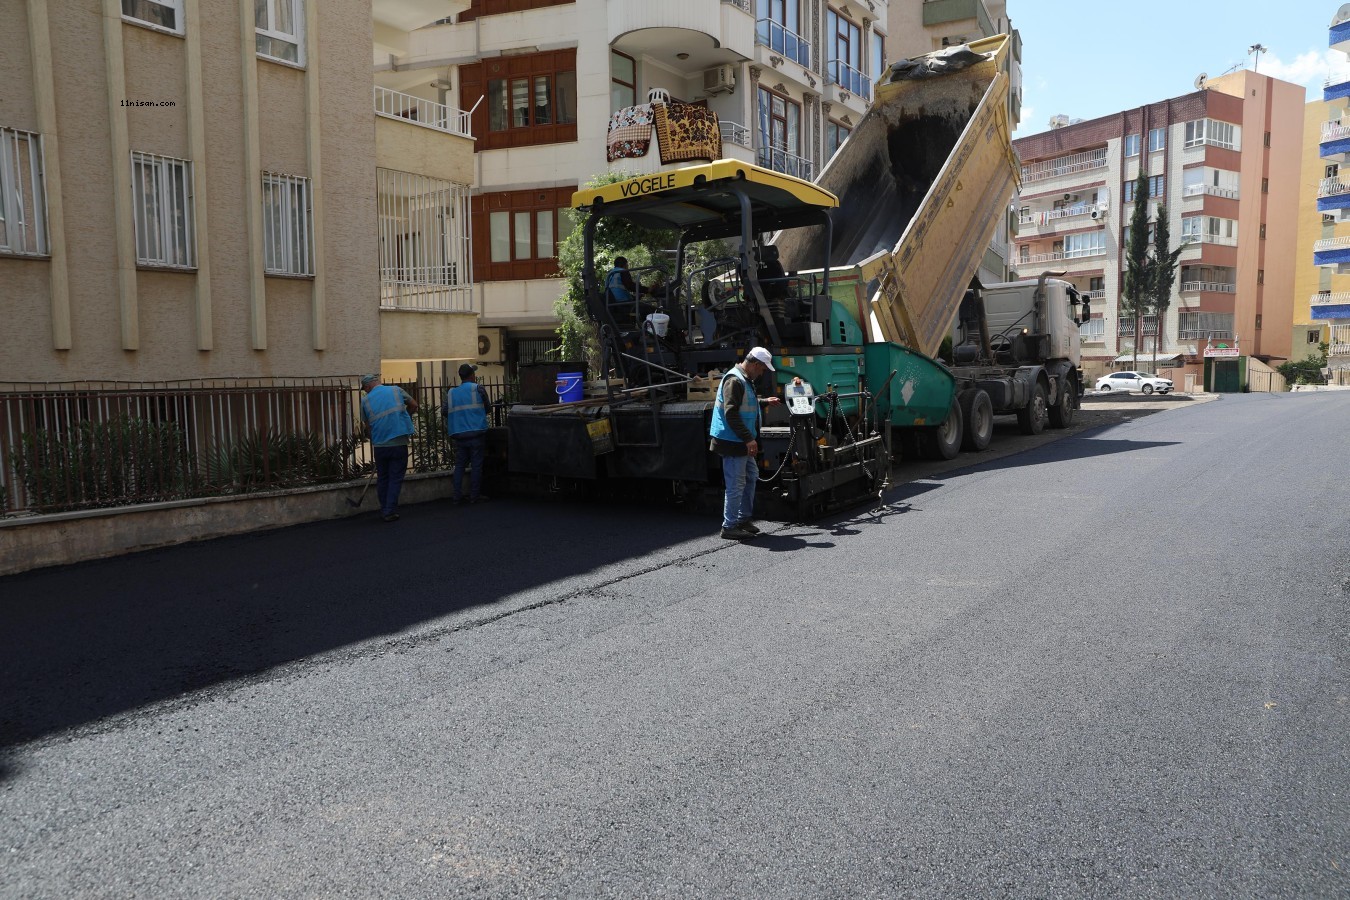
<point x="406" y="147"/>
<point x="416" y="335"/>
<point x="170" y="342"/>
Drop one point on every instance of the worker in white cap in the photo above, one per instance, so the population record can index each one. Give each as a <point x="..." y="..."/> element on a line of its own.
<point x="735" y="433"/>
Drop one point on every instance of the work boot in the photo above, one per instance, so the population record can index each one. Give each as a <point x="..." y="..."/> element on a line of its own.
<point x="737" y="533"/>
<point x="747" y="525"/>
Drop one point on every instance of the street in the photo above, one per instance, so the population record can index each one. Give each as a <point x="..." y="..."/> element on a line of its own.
<point x="1114" y="664"/>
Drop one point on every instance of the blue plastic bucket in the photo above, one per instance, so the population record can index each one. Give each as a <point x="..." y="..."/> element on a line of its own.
<point x="569" y="387"/>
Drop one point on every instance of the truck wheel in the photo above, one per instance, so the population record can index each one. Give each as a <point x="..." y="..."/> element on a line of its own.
<point x="1061" y="414"/>
<point x="944" y="441"/>
<point x="977" y="419"/>
<point x="1032" y="417"/>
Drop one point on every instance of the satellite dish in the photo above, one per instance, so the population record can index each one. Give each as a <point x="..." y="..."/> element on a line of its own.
<point x="1200" y="81"/>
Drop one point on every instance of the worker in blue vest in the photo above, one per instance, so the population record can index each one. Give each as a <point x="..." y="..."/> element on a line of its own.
<point x="621" y="291"/>
<point x="734" y="433"/>
<point x="466" y="421"/>
<point x="385" y="408"/>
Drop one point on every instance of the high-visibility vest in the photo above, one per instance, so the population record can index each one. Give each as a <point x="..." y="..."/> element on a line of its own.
<point x="386" y="414"/>
<point x="721" y="428"/>
<point x="467" y="416"/>
<point x="618" y="292"/>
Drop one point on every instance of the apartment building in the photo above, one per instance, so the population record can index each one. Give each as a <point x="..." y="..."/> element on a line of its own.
<point x="788" y="80"/>
<point x="186" y="190"/>
<point x="1328" y="306"/>
<point x="1224" y="161"/>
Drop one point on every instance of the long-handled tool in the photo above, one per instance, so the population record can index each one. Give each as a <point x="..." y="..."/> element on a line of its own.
<point x="362" y="499"/>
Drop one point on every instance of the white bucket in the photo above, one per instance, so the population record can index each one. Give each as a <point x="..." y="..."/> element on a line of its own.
<point x="658" y="323"/>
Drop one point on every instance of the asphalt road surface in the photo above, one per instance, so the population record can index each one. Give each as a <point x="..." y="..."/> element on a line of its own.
<point x="1114" y="664"/>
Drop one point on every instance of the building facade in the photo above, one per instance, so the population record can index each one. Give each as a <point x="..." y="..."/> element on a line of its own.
<point x="1329" y="305"/>
<point x="1224" y="162"/>
<point x="182" y="192"/>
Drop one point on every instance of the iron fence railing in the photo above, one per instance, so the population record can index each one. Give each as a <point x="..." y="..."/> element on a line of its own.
<point x="77" y="446"/>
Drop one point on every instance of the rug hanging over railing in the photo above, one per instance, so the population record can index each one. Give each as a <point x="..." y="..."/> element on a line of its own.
<point x="687" y="132"/>
<point x="630" y="133"/>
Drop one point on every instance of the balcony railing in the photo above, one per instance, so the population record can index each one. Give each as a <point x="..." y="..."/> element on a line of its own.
<point x="734" y="133"/>
<point x="1335" y="131"/>
<point x="1217" y="287"/>
<point x="1045" y="217"/>
<point x="1061" y="255"/>
<point x="1330" y="299"/>
<point x="419" y="111"/>
<point x="1064" y="165"/>
<point x="1220" y="239"/>
<point x="787" y="163"/>
<point x="1330" y="187"/>
<point x="1099" y="294"/>
<point x="1338" y="243"/>
<point x="1339" y="345"/>
<point x="780" y="40"/>
<point x="1125" y="326"/>
<point x="850" y="79"/>
<point x="742" y="5"/>
<point x="1200" y="190"/>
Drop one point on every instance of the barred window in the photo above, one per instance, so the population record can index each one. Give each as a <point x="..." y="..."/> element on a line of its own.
<point x="162" y="204"/>
<point x="288" y="225"/>
<point x="23" y="194"/>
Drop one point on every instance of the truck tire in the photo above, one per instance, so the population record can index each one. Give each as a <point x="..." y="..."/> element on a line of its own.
<point x="944" y="441"/>
<point x="1061" y="414"/>
<point x="1032" y="417"/>
<point x="977" y="419"/>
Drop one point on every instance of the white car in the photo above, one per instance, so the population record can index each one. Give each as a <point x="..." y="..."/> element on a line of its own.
<point x="1134" y="381"/>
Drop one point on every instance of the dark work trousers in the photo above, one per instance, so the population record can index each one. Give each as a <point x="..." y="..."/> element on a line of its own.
<point x="391" y="463"/>
<point x="469" y="452"/>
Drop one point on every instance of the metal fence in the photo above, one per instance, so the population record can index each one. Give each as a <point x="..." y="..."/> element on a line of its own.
<point x="75" y="446"/>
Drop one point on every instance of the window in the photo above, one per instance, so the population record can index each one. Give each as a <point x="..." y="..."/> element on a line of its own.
<point x="424" y="242"/>
<point x="1192" y="228"/>
<point x="529" y="99"/>
<point x="622" y="81"/>
<point x="516" y="233"/>
<point x="779" y="28"/>
<point x="1093" y="330"/>
<point x="23" y="194"/>
<point x="161" y="200"/>
<point x="878" y="48"/>
<point x="1024" y="253"/>
<point x="1258" y="321"/>
<point x="1096" y="283"/>
<point x="165" y="14"/>
<point x="834" y="136"/>
<point x="1263" y="231"/>
<point x="1267" y="138"/>
<point x="1128" y="230"/>
<point x="1196" y="326"/>
<point x="1209" y="131"/>
<point x="843" y="47"/>
<point x="780" y="135"/>
<point x="1131" y="145"/>
<point x="1089" y="243"/>
<point x="280" y="28"/>
<point x="1157" y="186"/>
<point x="1260" y="276"/>
<point x="1332" y="171"/>
<point x="288" y="225"/>
<point x="1314" y="337"/>
<point x="1265" y="185"/>
<point x="1157" y="139"/>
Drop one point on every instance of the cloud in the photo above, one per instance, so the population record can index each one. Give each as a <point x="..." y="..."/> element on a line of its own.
<point x="1309" y="69"/>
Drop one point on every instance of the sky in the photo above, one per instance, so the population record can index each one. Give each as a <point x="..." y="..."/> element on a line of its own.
<point x="1092" y="58"/>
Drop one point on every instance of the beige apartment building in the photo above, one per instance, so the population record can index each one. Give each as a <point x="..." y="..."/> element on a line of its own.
<point x="1225" y="162"/>
<point x="787" y="79"/>
<point x="1314" y="284"/>
<point x="188" y="190"/>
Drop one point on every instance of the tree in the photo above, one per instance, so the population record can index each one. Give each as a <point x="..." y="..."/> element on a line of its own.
<point x="577" y="334"/>
<point x="1164" y="275"/>
<point x="1138" y="294"/>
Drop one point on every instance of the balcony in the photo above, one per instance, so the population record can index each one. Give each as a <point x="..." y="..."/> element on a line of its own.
<point x="946" y="12"/>
<point x="734" y="133"/>
<point x="1099" y="294"/>
<point x="1207" y="287"/>
<point x="1330" y="306"/>
<point x="1048" y="217"/>
<point x="1338" y="37"/>
<point x="424" y="245"/>
<point x="687" y="37"/>
<point x="787" y="163"/>
<point x="409" y="15"/>
<point x="1339" y="344"/>
<point x="1062" y="255"/>
<point x="1072" y="164"/>
<point x="1336" y="87"/>
<point x="843" y="77"/>
<point x="420" y="111"/>
<point x="1210" y="190"/>
<point x="1221" y="240"/>
<point x="1331" y="252"/>
<point x="785" y="43"/>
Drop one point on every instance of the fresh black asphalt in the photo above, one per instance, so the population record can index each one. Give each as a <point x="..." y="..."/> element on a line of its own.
<point x="1114" y="665"/>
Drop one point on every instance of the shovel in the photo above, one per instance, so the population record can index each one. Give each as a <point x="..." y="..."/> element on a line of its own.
<point x="362" y="499"/>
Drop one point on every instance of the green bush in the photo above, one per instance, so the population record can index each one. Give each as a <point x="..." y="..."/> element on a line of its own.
<point x="124" y="460"/>
<point x="1305" y="371"/>
<point x="268" y="458"/>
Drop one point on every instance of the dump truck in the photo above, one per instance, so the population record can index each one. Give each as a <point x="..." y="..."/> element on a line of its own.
<point x="852" y="282"/>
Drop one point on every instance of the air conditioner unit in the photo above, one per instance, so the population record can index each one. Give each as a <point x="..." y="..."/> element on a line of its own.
<point x="491" y="345"/>
<point x="719" y="79"/>
<point x="1096" y="214"/>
